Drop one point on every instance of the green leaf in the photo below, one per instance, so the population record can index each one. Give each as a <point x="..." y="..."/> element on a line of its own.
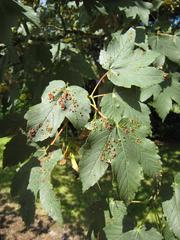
<point x="114" y="220"/>
<point x="150" y="160"/>
<point x="168" y="234"/>
<point x="34" y="182"/>
<point x="171" y="208"/>
<point x="125" y="103"/>
<point x="125" y="165"/>
<point x="29" y="13"/>
<point x="142" y="234"/>
<point x="78" y="108"/>
<point x="58" y="102"/>
<point x="92" y="168"/>
<point x="49" y="201"/>
<point x="169" y="93"/>
<point x="164" y="94"/>
<point x="168" y="45"/>
<point x="137" y="8"/>
<point x="51" y="160"/>
<point x="127" y="67"/>
<point x="123" y="146"/>
<point x="146" y="93"/>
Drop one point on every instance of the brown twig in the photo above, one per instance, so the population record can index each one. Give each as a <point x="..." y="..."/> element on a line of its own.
<point x="97" y="85"/>
<point x="59" y="134"/>
<point x="100" y="113"/>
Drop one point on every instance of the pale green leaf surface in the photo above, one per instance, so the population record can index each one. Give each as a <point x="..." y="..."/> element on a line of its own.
<point x="51" y="160"/>
<point x="137" y="8"/>
<point x="49" y="201"/>
<point x="114" y="220"/>
<point x="125" y="166"/>
<point x="126" y="149"/>
<point x="142" y="234"/>
<point x="127" y="67"/>
<point x="171" y="208"/>
<point x="78" y="109"/>
<point x="71" y="102"/>
<point x="34" y="180"/>
<point x="92" y="168"/>
<point x="146" y="93"/>
<point x="45" y="118"/>
<point x="171" y="92"/>
<point x="124" y="103"/>
<point x="29" y="13"/>
<point x="124" y="43"/>
<point x="168" y="45"/>
<point x="150" y="160"/>
<point x="168" y="234"/>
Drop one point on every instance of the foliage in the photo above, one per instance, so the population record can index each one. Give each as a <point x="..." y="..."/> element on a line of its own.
<point x="132" y="48"/>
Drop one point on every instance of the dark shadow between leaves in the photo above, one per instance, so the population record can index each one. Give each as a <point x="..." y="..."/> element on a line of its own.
<point x="16" y="151"/>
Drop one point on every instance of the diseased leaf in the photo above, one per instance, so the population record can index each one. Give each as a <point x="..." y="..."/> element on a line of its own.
<point x="114" y="220"/>
<point x="127" y="67"/>
<point x="58" y="102"/>
<point x="78" y="108"/>
<point x="92" y="168"/>
<point x="171" y="208"/>
<point x="125" y="165"/>
<point x="125" y="103"/>
<point x="49" y="201"/>
<point x="141" y="234"/>
<point x="124" y="147"/>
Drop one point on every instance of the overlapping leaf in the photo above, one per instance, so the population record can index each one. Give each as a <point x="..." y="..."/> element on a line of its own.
<point x="114" y="225"/>
<point x="171" y="208"/>
<point x="127" y="67"/>
<point x="47" y="196"/>
<point x="125" y="103"/>
<point x="49" y="202"/>
<point x="137" y="8"/>
<point x="10" y="11"/>
<point x="114" y="220"/>
<point x="58" y="102"/>
<point x="122" y="147"/>
<point x="92" y="168"/>
<point x="168" y="45"/>
<point x="164" y="94"/>
<point x="141" y="234"/>
<point x="168" y="234"/>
